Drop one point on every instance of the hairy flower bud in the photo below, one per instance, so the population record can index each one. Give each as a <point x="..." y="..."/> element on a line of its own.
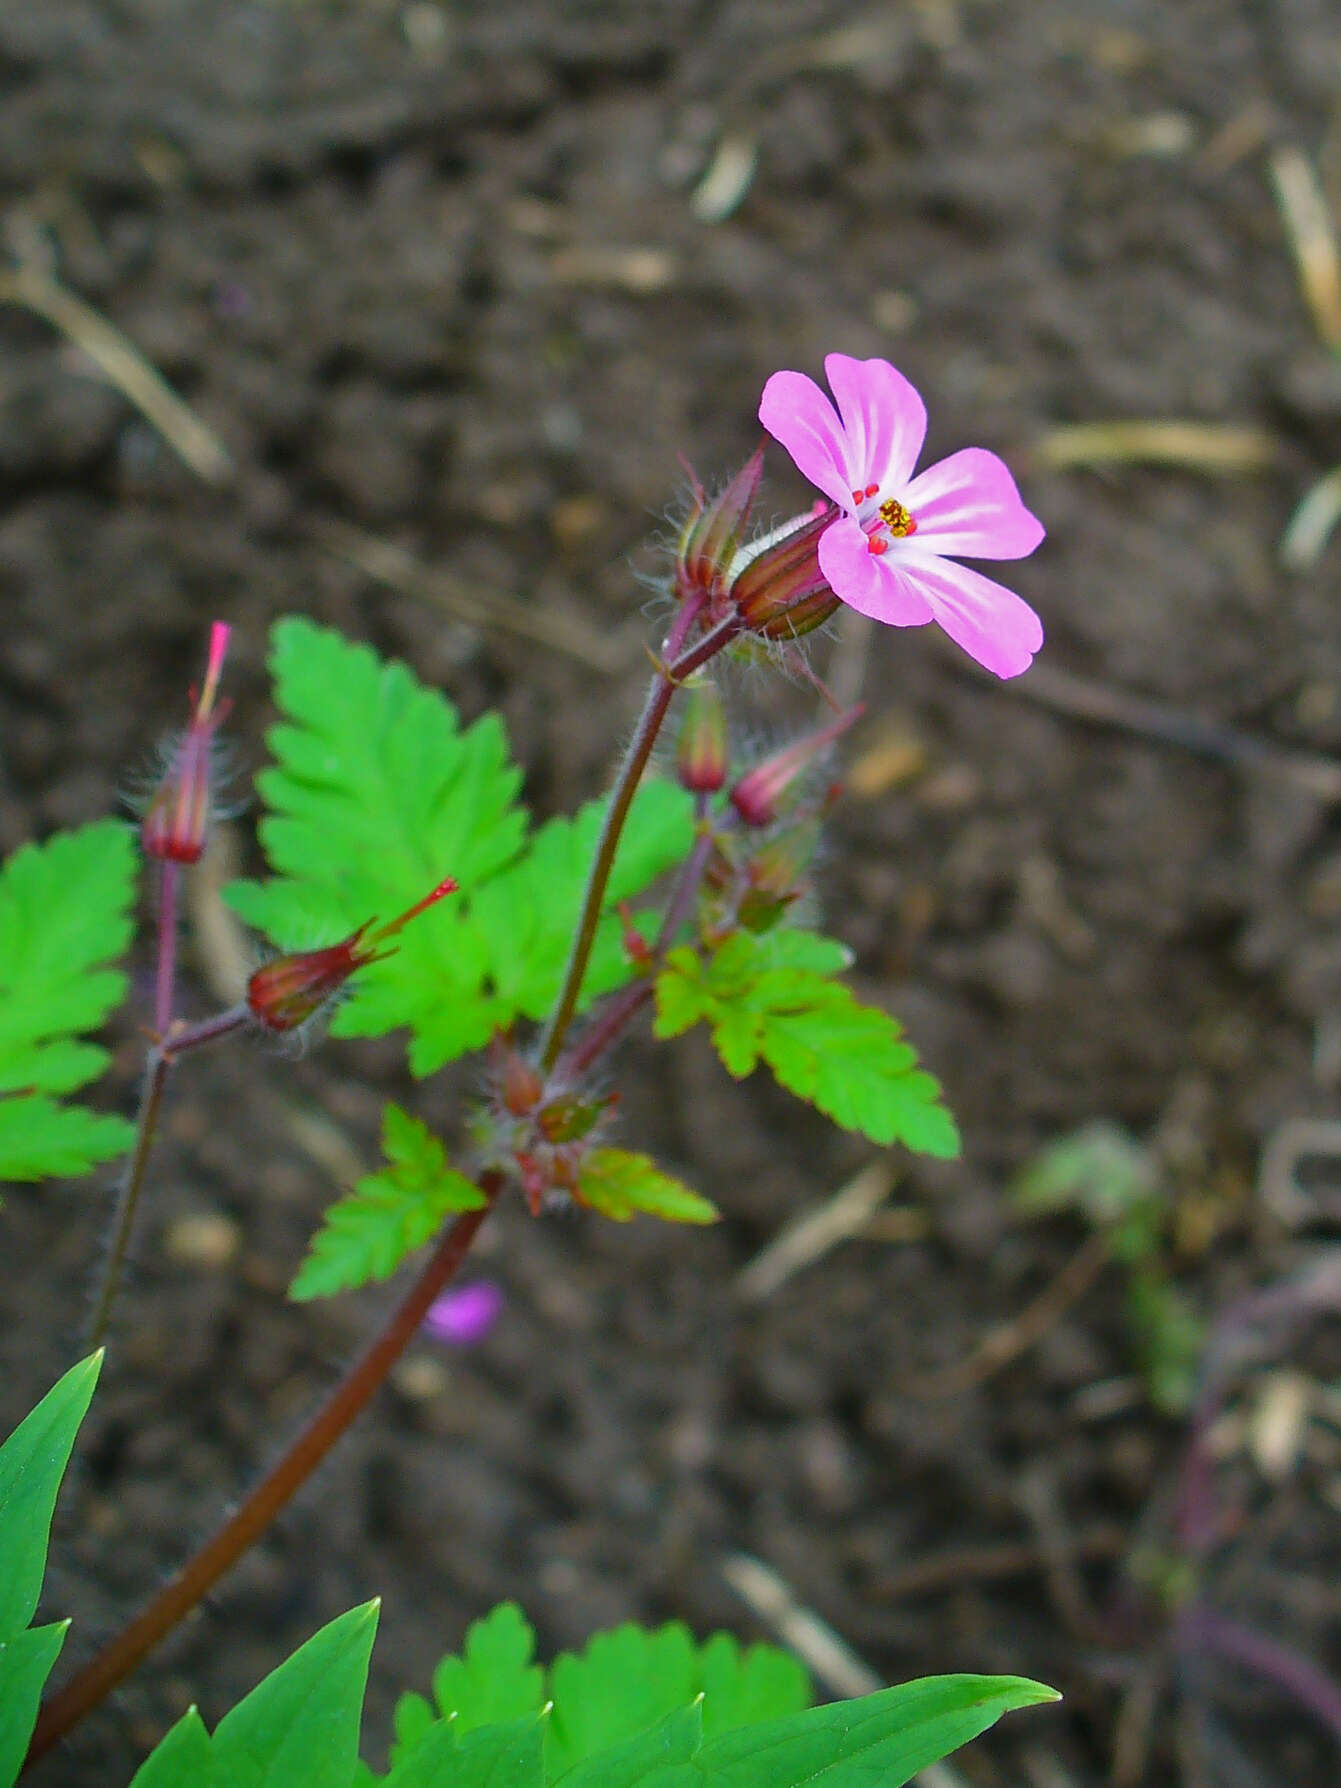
<point x="709" y="539"/>
<point x="285" y="992"/>
<point x="777" y="586"/>
<point x="701" y="756"/>
<point x="759" y="794"/>
<point x="177" y="817"/>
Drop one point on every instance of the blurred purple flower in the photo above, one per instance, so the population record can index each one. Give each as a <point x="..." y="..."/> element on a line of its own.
<point x="463" y="1316"/>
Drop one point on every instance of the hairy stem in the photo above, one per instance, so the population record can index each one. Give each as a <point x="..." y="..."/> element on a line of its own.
<point x="253" y="1516"/>
<point x="157" y="1068"/>
<point x="623" y="1006"/>
<point x="664" y="683"/>
<point x="167" y="947"/>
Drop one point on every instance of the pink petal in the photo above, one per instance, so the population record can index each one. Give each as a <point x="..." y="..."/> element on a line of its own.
<point x="990" y="622"/>
<point x="870" y="582"/>
<point x="797" y="413"/>
<point x="969" y="504"/>
<point x="884" y="419"/>
<point x="464" y="1315"/>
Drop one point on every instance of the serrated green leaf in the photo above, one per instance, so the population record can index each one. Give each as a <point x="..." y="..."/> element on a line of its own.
<point x="300" y="1727"/>
<point x="527" y="914"/>
<point x="770" y="998"/>
<point x="65" y="911"/>
<point x="619" y="1184"/>
<point x="377" y="794"/>
<point x="32" y="1464"/>
<point x="880" y="1739"/>
<point x="495" y="1679"/>
<point x="509" y="1755"/>
<point x="622" y="1684"/>
<point x="644" y="1761"/>
<point x="40" y="1138"/>
<point x="183" y="1758"/>
<point x="26" y="1662"/>
<point x="388" y="1215"/>
<point x="742" y="1688"/>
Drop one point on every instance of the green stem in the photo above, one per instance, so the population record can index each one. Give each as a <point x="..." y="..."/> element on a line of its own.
<point x="667" y="679"/>
<point x="253" y="1516"/>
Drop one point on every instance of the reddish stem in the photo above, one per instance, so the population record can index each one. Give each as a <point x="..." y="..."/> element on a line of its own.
<point x="250" y="1520"/>
<point x="663" y="686"/>
<point x="167" y="947"/>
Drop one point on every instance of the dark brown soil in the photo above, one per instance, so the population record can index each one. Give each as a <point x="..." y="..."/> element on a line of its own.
<point x="437" y="271"/>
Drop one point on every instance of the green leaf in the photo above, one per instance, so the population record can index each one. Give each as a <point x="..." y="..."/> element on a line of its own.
<point x="183" y="1758"/>
<point x="376" y="794"/>
<point x="645" y="1759"/>
<point x="527" y="915"/>
<point x="26" y="1661"/>
<point x="388" y="1215"/>
<point x="741" y="1688"/>
<point x="623" y="1683"/>
<point x="40" y="1138"/>
<point x="881" y="1739"/>
<point x="32" y="1463"/>
<point x="771" y="998"/>
<point x="620" y="1184"/>
<point x="300" y="1727"/>
<point x="510" y="1755"/>
<point x="495" y="1679"/>
<point x="65" y="912"/>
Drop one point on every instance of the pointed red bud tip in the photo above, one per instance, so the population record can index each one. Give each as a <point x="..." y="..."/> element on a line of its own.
<point x="701" y="756"/>
<point x="778" y="588"/>
<point x="759" y="794"/>
<point x="711" y="536"/>
<point x="520" y="1087"/>
<point x="177" y="819"/>
<point x="284" y="993"/>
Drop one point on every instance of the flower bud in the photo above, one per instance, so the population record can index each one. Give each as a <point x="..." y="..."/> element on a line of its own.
<point x="776" y="873"/>
<point x="701" y="757"/>
<point x="777" y="585"/>
<point x="759" y="794"/>
<point x="285" y="992"/>
<point x="177" y="817"/>
<point x="709" y="539"/>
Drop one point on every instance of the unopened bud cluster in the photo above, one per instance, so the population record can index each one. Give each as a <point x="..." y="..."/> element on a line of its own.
<point x="537" y="1132"/>
<point x="774" y="585"/>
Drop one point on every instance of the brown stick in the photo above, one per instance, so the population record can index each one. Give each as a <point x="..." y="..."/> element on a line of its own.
<point x="246" y="1525"/>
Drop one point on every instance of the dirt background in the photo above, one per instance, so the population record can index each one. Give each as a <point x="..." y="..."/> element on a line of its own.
<point x="449" y="274"/>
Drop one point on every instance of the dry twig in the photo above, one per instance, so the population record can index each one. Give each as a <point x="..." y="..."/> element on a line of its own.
<point x="811" y="1235"/>
<point x="1008" y="1341"/>
<point x="32" y="288"/>
<point x="1312" y="234"/>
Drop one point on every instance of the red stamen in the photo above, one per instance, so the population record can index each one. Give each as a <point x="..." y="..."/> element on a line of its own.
<point x="858" y="495"/>
<point x="876" y="545"/>
<point x="872" y="490"/>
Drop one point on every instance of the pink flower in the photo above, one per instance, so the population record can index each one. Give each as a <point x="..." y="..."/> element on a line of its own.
<point x="887" y="555"/>
<point x="464" y="1315"/>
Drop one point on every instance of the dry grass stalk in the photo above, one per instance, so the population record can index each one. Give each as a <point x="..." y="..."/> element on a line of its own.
<point x="121" y="364"/>
<point x="1312" y="235"/>
<point x="1218" y="449"/>
<point x="810" y="1236"/>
